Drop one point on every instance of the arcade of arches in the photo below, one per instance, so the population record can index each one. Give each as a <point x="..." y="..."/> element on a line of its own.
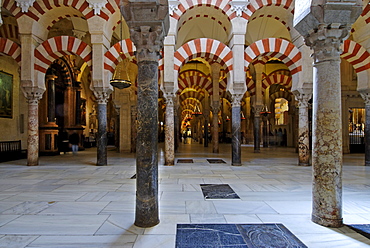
<point x="238" y="72"/>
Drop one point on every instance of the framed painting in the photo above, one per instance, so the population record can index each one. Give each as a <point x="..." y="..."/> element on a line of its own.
<point x="6" y="95"/>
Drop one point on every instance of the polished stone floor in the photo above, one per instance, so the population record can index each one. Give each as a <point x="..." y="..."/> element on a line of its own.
<point x="69" y="202"/>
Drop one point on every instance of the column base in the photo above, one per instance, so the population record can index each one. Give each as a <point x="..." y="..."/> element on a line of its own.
<point x="304" y="164"/>
<point x="146" y="224"/>
<point x="327" y="222"/>
<point x="236" y="164"/>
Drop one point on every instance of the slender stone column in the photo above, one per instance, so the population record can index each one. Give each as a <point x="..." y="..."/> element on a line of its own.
<point x="117" y="129"/>
<point x="206" y="121"/>
<point x="327" y="128"/>
<point x="257" y="128"/>
<point x="101" y="140"/>
<point x="366" y="97"/>
<point x="33" y="99"/>
<point x="169" y="130"/>
<point x="235" y="130"/>
<point x="215" y="108"/>
<point x="303" y="129"/>
<point x="265" y="142"/>
<point x="147" y="41"/>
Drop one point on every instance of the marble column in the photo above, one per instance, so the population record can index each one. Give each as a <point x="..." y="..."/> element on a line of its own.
<point x="215" y="108"/>
<point x="169" y="130"/>
<point x="327" y="128"/>
<point x="257" y="128"/>
<point x="235" y="130"/>
<point x="265" y="141"/>
<point x="133" y="128"/>
<point x="206" y="121"/>
<point x="147" y="41"/>
<point x="101" y="139"/>
<point x="33" y="99"/>
<point x="366" y="97"/>
<point x="303" y="129"/>
<point x="51" y="97"/>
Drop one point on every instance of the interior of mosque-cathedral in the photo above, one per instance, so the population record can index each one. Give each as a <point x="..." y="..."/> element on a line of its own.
<point x="238" y="72"/>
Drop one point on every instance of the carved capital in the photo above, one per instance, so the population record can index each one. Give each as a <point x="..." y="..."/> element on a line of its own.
<point x="215" y="107"/>
<point x="102" y="96"/>
<point x="326" y="41"/>
<point x="148" y="42"/>
<point x="239" y="7"/>
<point x="24" y="4"/>
<point x="172" y="7"/>
<point x="97" y="5"/>
<point x="170" y="99"/>
<point x="366" y="97"/>
<point x="236" y="100"/>
<point x="33" y="97"/>
<point x="302" y="99"/>
<point x="78" y="33"/>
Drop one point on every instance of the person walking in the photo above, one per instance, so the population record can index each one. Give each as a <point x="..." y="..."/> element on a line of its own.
<point x="74" y="139"/>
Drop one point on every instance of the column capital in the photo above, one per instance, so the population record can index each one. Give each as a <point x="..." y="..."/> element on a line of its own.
<point x="32" y="94"/>
<point x="148" y="42"/>
<point x="326" y="41"/>
<point x="366" y="96"/>
<point x="170" y="98"/>
<point x="102" y="96"/>
<point x="302" y="98"/>
<point x="236" y="100"/>
<point x="239" y="7"/>
<point x="215" y="107"/>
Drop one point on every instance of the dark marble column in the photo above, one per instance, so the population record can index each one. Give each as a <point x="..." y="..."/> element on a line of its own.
<point x="257" y="129"/>
<point x="101" y="139"/>
<point x="366" y="96"/>
<point x="206" y="121"/>
<point x="235" y="129"/>
<point x="133" y="128"/>
<point x="51" y="97"/>
<point x="147" y="212"/>
<point x="265" y="131"/>
<point x="33" y="98"/>
<point x="215" y="109"/>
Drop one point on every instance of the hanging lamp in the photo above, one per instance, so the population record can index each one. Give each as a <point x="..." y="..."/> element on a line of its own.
<point x="120" y="77"/>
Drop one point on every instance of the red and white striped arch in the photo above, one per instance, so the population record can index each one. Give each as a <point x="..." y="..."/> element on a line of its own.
<point x="56" y="47"/>
<point x="206" y="48"/>
<point x="192" y="94"/>
<point x="39" y="8"/>
<point x="356" y="55"/>
<point x="251" y="86"/>
<point x="359" y="58"/>
<point x="195" y="80"/>
<point x="257" y="4"/>
<point x="275" y="48"/>
<point x="280" y="79"/>
<point x="117" y="53"/>
<point x="189" y="4"/>
<point x="10" y="48"/>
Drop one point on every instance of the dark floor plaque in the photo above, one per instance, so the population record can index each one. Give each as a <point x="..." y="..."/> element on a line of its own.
<point x="235" y="236"/>
<point x="185" y="161"/>
<point x="216" y="161"/>
<point x="218" y="191"/>
<point x="363" y="229"/>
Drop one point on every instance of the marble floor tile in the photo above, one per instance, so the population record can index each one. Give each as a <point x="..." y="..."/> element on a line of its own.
<point x="155" y="241"/>
<point x="199" y="207"/>
<point x="71" y="208"/>
<point x="96" y="241"/>
<point x="242" y="207"/>
<point x="207" y="218"/>
<point x="54" y="225"/>
<point x="16" y="241"/>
